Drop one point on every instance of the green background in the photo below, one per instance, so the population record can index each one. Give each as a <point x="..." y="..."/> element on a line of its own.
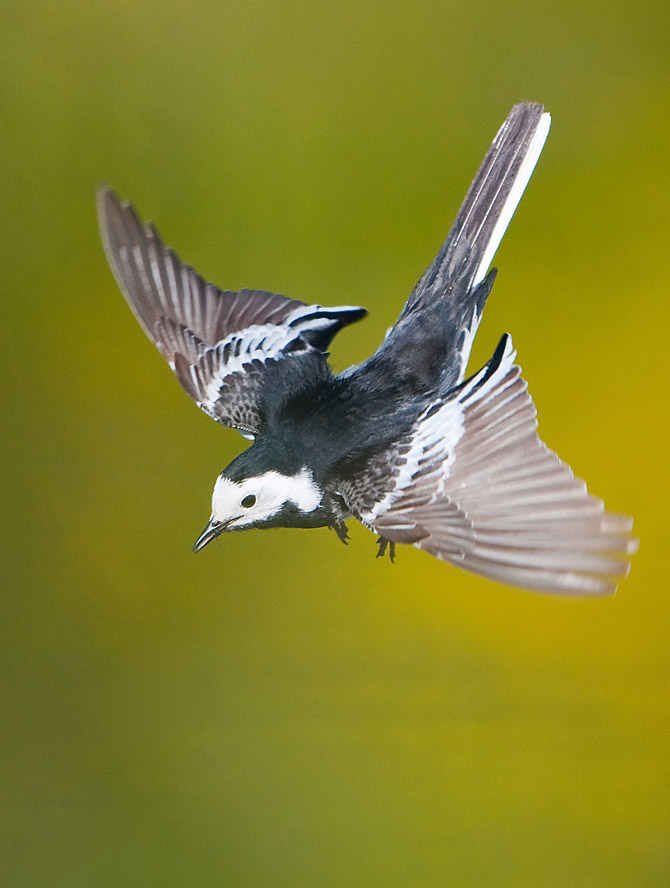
<point x="280" y="709"/>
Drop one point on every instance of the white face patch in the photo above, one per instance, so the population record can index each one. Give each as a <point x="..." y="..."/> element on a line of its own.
<point x="240" y="503"/>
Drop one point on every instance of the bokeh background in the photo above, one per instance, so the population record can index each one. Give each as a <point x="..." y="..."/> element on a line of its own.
<point x="280" y="709"/>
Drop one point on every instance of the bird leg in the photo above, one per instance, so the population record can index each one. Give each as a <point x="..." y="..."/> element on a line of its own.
<point x="340" y="529"/>
<point x="383" y="544"/>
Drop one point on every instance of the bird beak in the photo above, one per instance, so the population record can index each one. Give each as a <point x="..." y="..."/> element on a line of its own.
<point x="213" y="529"/>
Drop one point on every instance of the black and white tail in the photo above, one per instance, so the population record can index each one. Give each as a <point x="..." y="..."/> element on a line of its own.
<point x="489" y="205"/>
<point x="441" y="316"/>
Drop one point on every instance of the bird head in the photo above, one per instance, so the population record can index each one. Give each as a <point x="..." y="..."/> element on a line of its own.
<point x="270" y="499"/>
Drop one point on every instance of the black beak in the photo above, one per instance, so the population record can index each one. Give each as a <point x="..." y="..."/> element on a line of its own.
<point x="213" y="529"/>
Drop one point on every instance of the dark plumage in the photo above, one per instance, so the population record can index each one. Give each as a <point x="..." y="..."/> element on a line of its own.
<point x="401" y="441"/>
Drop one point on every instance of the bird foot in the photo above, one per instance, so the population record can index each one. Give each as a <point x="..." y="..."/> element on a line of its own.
<point x="383" y="544"/>
<point x="340" y="529"/>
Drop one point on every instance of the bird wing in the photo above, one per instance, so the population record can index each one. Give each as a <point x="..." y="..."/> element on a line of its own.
<point x="473" y="484"/>
<point x="445" y="308"/>
<point x="225" y="347"/>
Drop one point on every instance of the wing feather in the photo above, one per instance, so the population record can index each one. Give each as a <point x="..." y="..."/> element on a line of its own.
<point x="478" y="488"/>
<point x="212" y="338"/>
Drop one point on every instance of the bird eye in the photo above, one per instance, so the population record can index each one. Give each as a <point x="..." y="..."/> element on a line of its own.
<point x="249" y="501"/>
<point x="215" y="523"/>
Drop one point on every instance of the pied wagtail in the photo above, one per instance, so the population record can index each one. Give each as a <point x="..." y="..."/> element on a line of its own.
<point x="402" y="442"/>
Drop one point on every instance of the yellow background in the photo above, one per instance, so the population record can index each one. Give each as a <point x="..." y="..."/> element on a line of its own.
<point x="280" y="709"/>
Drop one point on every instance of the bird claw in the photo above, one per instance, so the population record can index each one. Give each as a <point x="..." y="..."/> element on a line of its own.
<point x="383" y="544"/>
<point x="342" y="532"/>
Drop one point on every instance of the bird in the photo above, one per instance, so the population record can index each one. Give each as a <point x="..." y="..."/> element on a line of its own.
<point x="404" y="442"/>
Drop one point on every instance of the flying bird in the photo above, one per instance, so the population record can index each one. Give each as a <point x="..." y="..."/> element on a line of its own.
<point x="403" y="441"/>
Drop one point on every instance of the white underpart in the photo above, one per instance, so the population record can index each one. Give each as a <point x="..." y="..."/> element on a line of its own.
<point x="436" y="437"/>
<point x="525" y="172"/>
<point x="266" y="341"/>
<point x="271" y="489"/>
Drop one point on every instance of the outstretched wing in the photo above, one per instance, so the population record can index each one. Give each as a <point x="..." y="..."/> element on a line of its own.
<point x="434" y="333"/>
<point x="225" y="347"/>
<point x="473" y="484"/>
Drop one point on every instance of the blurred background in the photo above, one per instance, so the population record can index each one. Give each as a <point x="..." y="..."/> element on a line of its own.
<point x="280" y="709"/>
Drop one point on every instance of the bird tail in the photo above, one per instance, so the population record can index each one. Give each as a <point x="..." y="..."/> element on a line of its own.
<point x="458" y="275"/>
<point x="432" y="338"/>
<point x="489" y="204"/>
